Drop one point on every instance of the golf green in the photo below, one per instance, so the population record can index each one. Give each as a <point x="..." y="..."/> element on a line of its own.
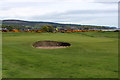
<point x="91" y="55"/>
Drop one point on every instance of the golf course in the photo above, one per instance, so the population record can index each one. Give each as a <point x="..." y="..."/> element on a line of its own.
<point x="90" y="55"/>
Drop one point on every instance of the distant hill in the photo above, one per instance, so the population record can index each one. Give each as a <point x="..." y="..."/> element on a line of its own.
<point x="26" y="23"/>
<point x="33" y="24"/>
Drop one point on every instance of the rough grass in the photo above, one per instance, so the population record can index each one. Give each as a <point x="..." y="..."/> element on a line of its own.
<point x="92" y="55"/>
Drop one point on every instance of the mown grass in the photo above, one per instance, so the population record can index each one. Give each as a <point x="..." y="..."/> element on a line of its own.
<point x="0" y="55"/>
<point x="92" y="55"/>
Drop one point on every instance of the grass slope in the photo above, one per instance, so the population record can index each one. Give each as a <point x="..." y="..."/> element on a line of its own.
<point x="92" y="55"/>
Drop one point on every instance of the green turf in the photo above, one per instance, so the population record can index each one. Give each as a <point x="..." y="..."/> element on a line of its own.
<point x="0" y="55"/>
<point x="92" y="55"/>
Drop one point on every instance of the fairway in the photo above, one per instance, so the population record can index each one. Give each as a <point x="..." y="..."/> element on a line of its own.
<point x="91" y="55"/>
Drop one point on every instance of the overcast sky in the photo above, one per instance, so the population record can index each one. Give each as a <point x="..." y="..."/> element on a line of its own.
<point x="87" y="12"/>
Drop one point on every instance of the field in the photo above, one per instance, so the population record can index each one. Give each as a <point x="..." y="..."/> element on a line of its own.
<point x="92" y="55"/>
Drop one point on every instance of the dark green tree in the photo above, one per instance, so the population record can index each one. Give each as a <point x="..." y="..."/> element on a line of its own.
<point x="47" y="28"/>
<point x="50" y="28"/>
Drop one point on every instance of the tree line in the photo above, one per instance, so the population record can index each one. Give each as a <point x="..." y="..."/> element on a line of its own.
<point x="47" y="28"/>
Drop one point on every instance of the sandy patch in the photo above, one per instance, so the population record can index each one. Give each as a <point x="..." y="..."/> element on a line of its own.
<point x="55" y="47"/>
<point x="50" y="44"/>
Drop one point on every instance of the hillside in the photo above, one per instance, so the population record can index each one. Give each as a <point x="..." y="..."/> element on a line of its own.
<point x="38" y="24"/>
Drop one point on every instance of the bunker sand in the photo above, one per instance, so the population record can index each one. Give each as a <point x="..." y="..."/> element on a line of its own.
<point x="50" y="44"/>
<point x="50" y="47"/>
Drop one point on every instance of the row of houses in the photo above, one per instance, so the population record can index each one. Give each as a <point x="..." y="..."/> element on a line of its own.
<point x="66" y="31"/>
<point x="56" y="29"/>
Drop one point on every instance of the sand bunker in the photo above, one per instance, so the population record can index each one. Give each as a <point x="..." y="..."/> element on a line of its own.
<point x="50" y="44"/>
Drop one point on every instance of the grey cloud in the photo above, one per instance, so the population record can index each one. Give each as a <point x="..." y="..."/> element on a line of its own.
<point x="91" y="11"/>
<point x="75" y="15"/>
<point x="8" y="6"/>
<point x="78" y="12"/>
<point x="99" y="20"/>
<point x="106" y="0"/>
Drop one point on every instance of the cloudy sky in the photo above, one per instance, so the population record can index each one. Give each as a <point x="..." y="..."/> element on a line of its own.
<point x="87" y="12"/>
